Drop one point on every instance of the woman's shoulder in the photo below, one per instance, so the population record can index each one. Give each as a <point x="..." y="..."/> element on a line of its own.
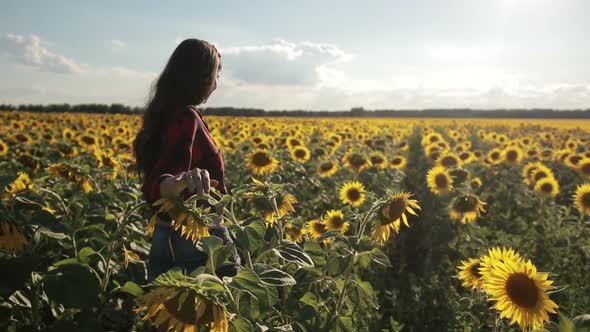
<point x="183" y="116"/>
<point x="186" y="112"/>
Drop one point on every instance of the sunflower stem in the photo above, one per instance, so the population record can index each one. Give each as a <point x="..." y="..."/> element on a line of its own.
<point x="340" y="303"/>
<point x="363" y="225"/>
<point x="235" y="304"/>
<point x="280" y="228"/>
<point x="61" y="201"/>
<point x="249" y="259"/>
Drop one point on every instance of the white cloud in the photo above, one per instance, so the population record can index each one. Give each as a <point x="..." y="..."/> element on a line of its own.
<point x="465" y="53"/>
<point x="309" y="75"/>
<point x="283" y="63"/>
<point x="122" y="72"/>
<point x="329" y="98"/>
<point x="117" y="44"/>
<point x="30" y="51"/>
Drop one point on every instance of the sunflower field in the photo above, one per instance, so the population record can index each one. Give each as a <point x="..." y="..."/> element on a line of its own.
<point x="341" y="224"/>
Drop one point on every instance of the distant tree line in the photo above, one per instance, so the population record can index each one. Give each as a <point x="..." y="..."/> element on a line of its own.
<point x="353" y="112"/>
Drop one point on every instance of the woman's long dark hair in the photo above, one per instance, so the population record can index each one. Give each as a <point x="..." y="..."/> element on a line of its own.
<point x="186" y="80"/>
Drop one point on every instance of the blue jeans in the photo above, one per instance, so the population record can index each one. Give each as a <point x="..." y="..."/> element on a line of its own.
<point x="186" y="254"/>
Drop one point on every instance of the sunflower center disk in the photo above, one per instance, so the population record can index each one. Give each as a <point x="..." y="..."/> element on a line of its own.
<point x="475" y="271"/>
<point x="522" y="290"/>
<point x="376" y="160"/>
<point x="466" y="204"/>
<point x="511" y="155"/>
<point x="184" y="312"/>
<point x="540" y="175"/>
<point x="394" y="210"/>
<point x="357" y="160"/>
<point x="353" y="195"/>
<point x="449" y="162"/>
<point x="441" y="181"/>
<point x="300" y="153"/>
<point x="547" y="188"/>
<point x="261" y="159"/>
<point x="326" y="166"/>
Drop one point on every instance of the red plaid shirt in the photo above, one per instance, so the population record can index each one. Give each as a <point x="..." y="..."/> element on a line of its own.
<point x="185" y="145"/>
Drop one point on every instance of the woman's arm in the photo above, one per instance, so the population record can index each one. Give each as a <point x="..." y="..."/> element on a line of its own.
<point x="172" y="173"/>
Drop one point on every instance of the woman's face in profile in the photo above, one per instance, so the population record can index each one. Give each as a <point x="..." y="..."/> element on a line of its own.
<point x="213" y="86"/>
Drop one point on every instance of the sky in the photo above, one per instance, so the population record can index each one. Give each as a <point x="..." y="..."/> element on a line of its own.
<point x="318" y="55"/>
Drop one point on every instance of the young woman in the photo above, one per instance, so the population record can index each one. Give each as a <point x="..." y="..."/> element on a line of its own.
<point x="176" y="154"/>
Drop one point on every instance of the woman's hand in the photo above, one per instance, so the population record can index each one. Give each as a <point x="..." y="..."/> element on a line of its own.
<point x="197" y="181"/>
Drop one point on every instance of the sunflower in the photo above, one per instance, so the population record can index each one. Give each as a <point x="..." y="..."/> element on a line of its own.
<point x="475" y="183"/>
<point x="261" y="161"/>
<point x="527" y="172"/>
<point x="582" y="198"/>
<point x="571" y="145"/>
<point x="334" y="219"/>
<point x="300" y="154"/>
<point x="67" y="150"/>
<point x="469" y="274"/>
<point x="495" y="156"/>
<point x="449" y="160"/>
<point x="108" y="160"/>
<point x="88" y="141"/>
<point x="315" y="228"/>
<point x="356" y="161"/>
<point x="121" y="143"/>
<point x="466" y="208"/>
<point x="393" y="212"/>
<point x="432" y="152"/>
<point x="22" y="138"/>
<point x="189" y="220"/>
<point x="3" y="148"/>
<point x="520" y="293"/>
<point x="327" y="168"/>
<point x="67" y="134"/>
<point x="512" y="155"/>
<point x="532" y="153"/>
<point x="20" y="184"/>
<point x="398" y="162"/>
<point x="14" y="124"/>
<point x="129" y="256"/>
<point x="432" y="138"/>
<point x="467" y="157"/>
<point x="378" y="160"/>
<point x="284" y="205"/>
<point x="573" y="160"/>
<point x="439" y="180"/>
<point x="293" y="142"/>
<point x="547" y="154"/>
<point x="295" y="233"/>
<point x="10" y="237"/>
<point x="583" y="166"/>
<point x="381" y="233"/>
<point x="180" y="303"/>
<point x="353" y="193"/>
<point x="548" y="187"/>
<point x="539" y="173"/>
<point x="28" y="160"/>
<point x="497" y="254"/>
<point x="458" y="175"/>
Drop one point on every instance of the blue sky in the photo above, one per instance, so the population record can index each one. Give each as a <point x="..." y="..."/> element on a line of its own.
<point x="305" y="54"/>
